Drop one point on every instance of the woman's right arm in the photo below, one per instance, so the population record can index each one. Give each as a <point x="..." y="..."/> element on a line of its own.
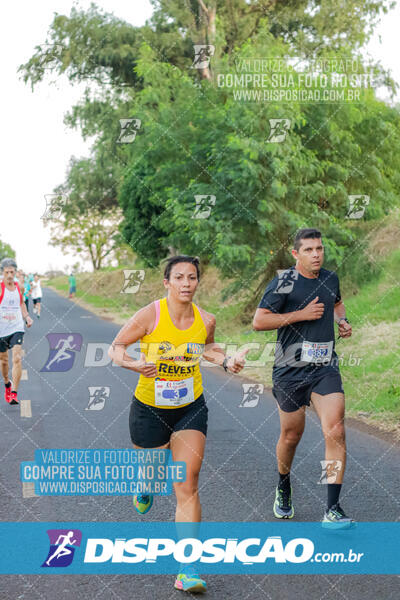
<point x="141" y="323"/>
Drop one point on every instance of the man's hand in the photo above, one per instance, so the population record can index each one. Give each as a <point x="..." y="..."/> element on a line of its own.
<point x="28" y="322"/>
<point x="345" y="329"/>
<point x="236" y="363"/>
<point x="313" y="311"/>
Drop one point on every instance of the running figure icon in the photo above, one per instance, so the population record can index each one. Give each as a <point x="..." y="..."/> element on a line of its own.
<point x="62" y="549"/>
<point x="62" y="353"/>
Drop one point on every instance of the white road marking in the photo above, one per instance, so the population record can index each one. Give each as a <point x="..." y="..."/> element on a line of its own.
<point x="28" y="489"/>
<point x="26" y="408"/>
<point x="24" y="376"/>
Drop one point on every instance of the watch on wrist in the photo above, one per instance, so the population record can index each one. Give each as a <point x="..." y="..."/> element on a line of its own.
<point x="225" y="363"/>
<point x="343" y="319"/>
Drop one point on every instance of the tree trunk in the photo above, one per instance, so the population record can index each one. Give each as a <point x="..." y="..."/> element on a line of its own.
<point x="207" y="30"/>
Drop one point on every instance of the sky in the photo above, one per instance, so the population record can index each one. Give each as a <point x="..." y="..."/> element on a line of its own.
<point x="36" y="146"/>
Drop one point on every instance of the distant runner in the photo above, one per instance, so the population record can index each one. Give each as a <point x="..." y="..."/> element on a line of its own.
<point x="72" y="285"/>
<point x="36" y="295"/>
<point x="27" y="291"/>
<point x="13" y="312"/>
<point x="168" y="409"/>
<point x="302" y="303"/>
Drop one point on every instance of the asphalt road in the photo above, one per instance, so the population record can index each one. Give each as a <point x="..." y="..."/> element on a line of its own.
<point x="237" y="481"/>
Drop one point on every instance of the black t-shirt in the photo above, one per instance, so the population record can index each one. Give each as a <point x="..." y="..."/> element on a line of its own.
<point x="290" y="291"/>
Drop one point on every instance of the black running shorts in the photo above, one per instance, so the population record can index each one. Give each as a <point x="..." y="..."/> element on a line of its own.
<point x="152" y="426"/>
<point x="6" y="343"/>
<point x="292" y="395"/>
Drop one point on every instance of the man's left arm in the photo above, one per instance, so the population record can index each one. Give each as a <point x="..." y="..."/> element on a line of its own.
<point x="345" y="329"/>
<point x="25" y="314"/>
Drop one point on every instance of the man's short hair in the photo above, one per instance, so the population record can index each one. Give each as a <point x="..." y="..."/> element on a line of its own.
<point x="305" y="234"/>
<point x="8" y="262"/>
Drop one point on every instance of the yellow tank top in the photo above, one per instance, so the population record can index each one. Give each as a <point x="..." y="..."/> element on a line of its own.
<point x="175" y="352"/>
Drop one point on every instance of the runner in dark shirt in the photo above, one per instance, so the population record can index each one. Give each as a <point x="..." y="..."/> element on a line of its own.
<point x="303" y="303"/>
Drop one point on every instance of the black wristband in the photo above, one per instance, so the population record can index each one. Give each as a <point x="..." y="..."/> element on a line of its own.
<point x="343" y="319"/>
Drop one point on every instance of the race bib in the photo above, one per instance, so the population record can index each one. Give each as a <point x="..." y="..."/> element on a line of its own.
<point x="7" y="317"/>
<point x="173" y="393"/>
<point x="316" y="352"/>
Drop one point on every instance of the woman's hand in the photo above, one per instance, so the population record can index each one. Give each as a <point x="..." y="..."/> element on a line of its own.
<point x="237" y="362"/>
<point x="147" y="369"/>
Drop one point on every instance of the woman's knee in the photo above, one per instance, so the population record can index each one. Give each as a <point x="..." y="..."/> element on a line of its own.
<point x="187" y="489"/>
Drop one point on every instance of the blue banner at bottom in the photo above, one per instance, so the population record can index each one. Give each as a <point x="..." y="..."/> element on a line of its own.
<point x="231" y="548"/>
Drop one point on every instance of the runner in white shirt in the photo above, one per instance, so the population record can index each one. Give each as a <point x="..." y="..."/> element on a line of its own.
<point x="13" y="312"/>
<point x="36" y="295"/>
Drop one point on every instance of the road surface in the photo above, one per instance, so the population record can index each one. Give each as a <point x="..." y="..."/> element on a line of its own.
<point x="237" y="481"/>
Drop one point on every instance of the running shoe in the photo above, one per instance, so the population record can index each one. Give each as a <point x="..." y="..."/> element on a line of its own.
<point x="14" y="399"/>
<point x="142" y="503"/>
<point x="7" y="392"/>
<point x="189" y="581"/>
<point x="283" y="507"/>
<point x="335" y="518"/>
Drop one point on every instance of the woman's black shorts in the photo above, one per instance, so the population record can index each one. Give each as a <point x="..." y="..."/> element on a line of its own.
<point x="151" y="426"/>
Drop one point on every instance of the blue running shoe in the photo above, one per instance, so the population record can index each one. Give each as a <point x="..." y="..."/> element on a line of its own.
<point x="142" y="503"/>
<point x="189" y="581"/>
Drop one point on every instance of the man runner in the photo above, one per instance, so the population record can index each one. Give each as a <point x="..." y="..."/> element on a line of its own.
<point x="303" y="307"/>
<point x="13" y="312"/>
<point x="168" y="409"/>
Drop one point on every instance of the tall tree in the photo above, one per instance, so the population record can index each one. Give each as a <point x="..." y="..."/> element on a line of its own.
<point x="6" y="251"/>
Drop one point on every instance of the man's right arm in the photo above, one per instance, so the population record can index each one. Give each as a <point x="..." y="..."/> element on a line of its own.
<point x="265" y="320"/>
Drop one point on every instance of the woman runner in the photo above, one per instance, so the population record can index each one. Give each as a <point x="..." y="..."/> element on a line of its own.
<point x="168" y="409"/>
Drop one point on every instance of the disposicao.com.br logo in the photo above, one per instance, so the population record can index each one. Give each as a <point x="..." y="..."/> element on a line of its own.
<point x="247" y="551"/>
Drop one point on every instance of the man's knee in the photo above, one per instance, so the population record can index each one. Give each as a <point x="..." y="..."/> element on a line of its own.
<point x="4" y="359"/>
<point x="17" y="360"/>
<point x="291" y="437"/>
<point x="335" y="432"/>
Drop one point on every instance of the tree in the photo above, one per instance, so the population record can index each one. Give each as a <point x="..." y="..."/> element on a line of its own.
<point x="263" y="191"/>
<point x="6" y="251"/>
<point x="91" y="235"/>
<point x="197" y="141"/>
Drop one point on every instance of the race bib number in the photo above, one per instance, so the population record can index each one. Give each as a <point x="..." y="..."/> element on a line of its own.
<point x="173" y="393"/>
<point x="7" y="317"/>
<point x="316" y="352"/>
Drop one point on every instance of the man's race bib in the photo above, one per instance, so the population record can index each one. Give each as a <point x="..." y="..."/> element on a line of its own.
<point x="316" y="352"/>
<point x="173" y="393"/>
<point x="7" y="316"/>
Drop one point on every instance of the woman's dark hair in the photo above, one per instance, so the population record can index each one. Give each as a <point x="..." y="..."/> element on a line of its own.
<point x="173" y="260"/>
